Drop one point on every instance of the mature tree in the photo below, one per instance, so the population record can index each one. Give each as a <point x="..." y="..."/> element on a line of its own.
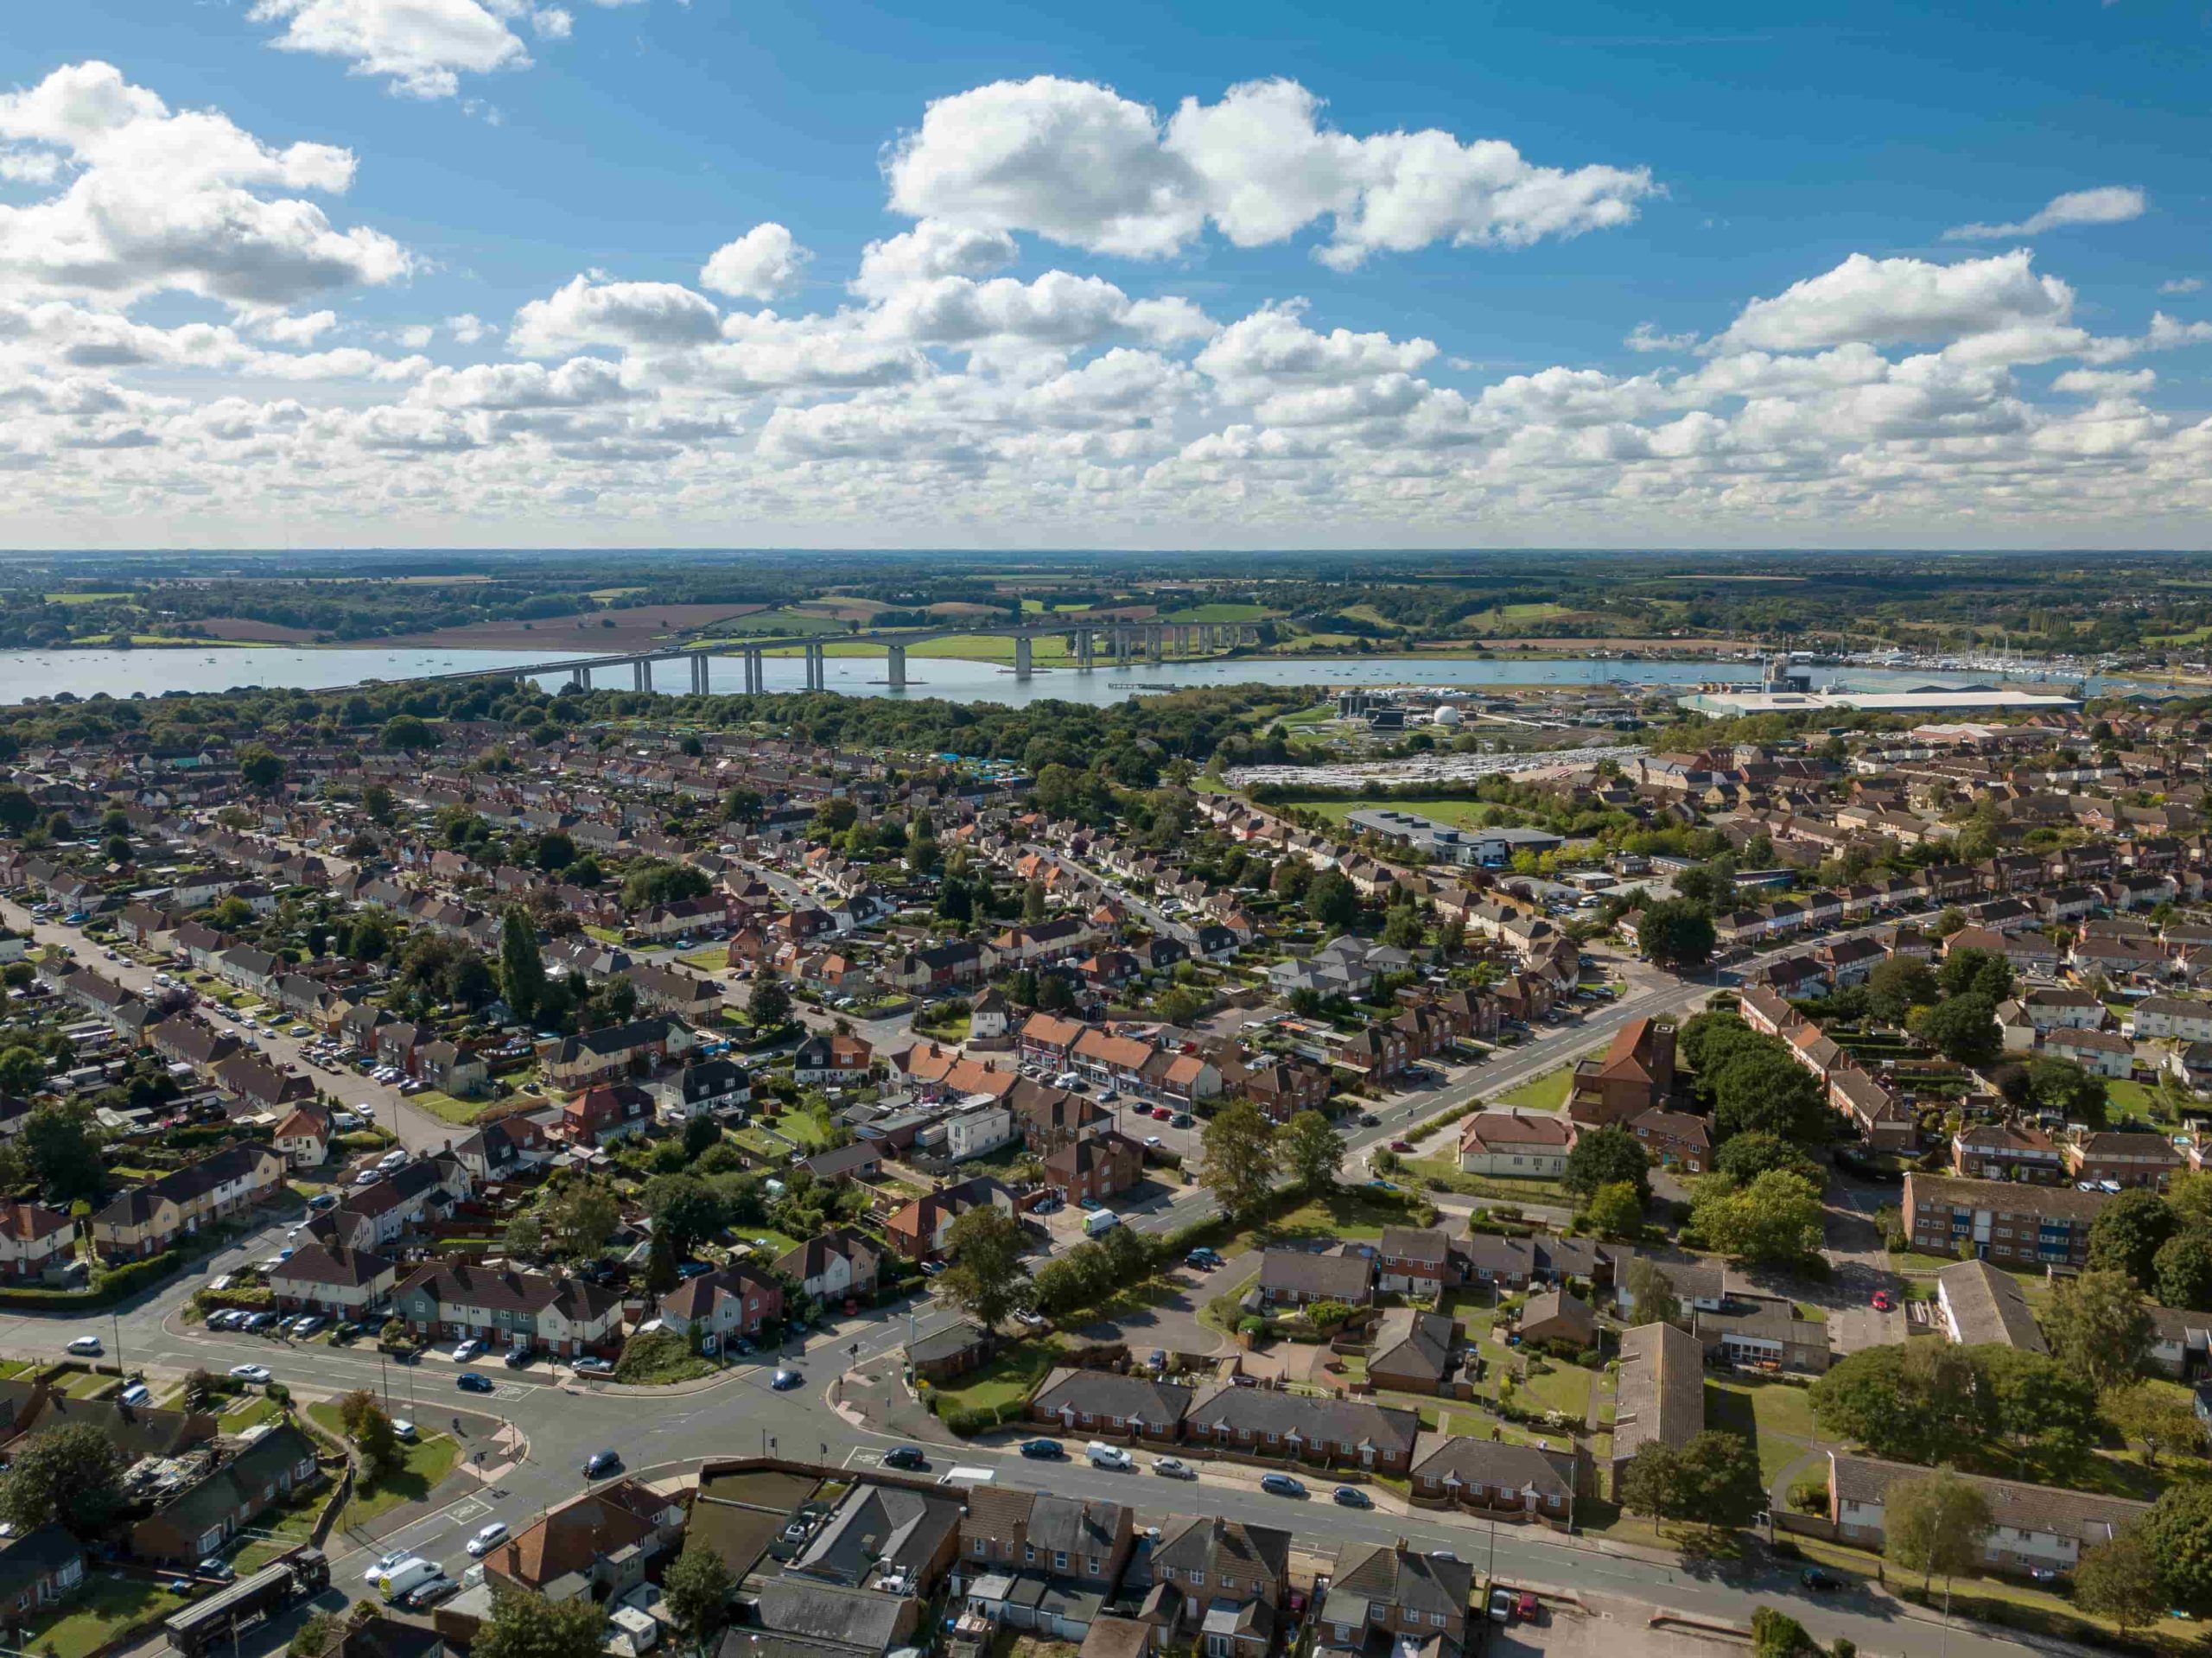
<point x="1237" y="1163"/>
<point x="701" y="1136"/>
<point x="770" y="1004"/>
<point x="1654" y="1484"/>
<point x="526" y="1236"/>
<point x="72" y="1473"/>
<point x="1312" y="1152"/>
<point x="1962" y="1029"/>
<point x="555" y="851"/>
<point x="21" y="1072"/>
<point x="1651" y="1293"/>
<point x="1763" y="1089"/>
<point x="63" y="1150"/>
<point x="1975" y="973"/>
<point x="1403" y="930"/>
<point x="374" y="1435"/>
<point x="1614" y="1211"/>
<point x="1723" y="1470"/>
<point x="1033" y="903"/>
<point x="527" y="1625"/>
<point x="1331" y="900"/>
<point x="582" y="1217"/>
<point x="2181" y="1272"/>
<point x="259" y="769"/>
<point x="18" y="811"/>
<point x="1605" y="1156"/>
<point x="2076" y="1093"/>
<point x="2189" y="1194"/>
<point x="2097" y="1323"/>
<point x="2037" y="1400"/>
<point x="1747" y="1156"/>
<point x="2146" y="1414"/>
<point x="1897" y="986"/>
<point x="406" y="730"/>
<point x="2179" y="1530"/>
<point x="2126" y="1235"/>
<point x="521" y="970"/>
<point x="1706" y="1040"/>
<point x="1676" y="934"/>
<point x="1774" y="1221"/>
<point x="2119" y="1580"/>
<point x="986" y="1276"/>
<point x="1913" y="1402"/>
<point x="1934" y="1523"/>
<point x="1181" y="1004"/>
<point x="661" y="1263"/>
<point x="697" y="1588"/>
<point x="685" y="1209"/>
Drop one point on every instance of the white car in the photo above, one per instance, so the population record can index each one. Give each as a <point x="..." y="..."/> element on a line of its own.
<point x="392" y="1160"/>
<point x="368" y="1177"/>
<point x="467" y="1350"/>
<point x="86" y="1344"/>
<point x="256" y="1372"/>
<point x="404" y="1429"/>
<point x="487" y="1539"/>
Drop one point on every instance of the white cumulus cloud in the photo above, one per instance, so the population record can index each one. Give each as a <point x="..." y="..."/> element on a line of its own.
<point x="584" y="312"/>
<point x="1078" y="164"/>
<point x="766" y="263"/>
<point x="1903" y="301"/>
<point x="2109" y="204"/>
<point x="420" y="48"/>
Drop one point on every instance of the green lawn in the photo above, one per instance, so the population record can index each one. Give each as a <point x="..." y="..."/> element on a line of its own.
<point x="1564" y="1388"/>
<point x="1005" y="1379"/>
<point x="1545" y="1093"/>
<point x="429" y="1460"/>
<point x="1426" y="1170"/>
<point x="1347" y="1212"/>
<point x="444" y="1107"/>
<point x="102" y="1608"/>
<point x="708" y="957"/>
<point x="1218" y="611"/>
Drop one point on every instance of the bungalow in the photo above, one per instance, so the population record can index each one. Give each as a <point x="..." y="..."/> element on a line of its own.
<point x="1516" y="1144"/>
<point x="1263" y="1423"/>
<point x="2040" y="1527"/>
<point x="1493" y="1476"/>
<point x="276" y="1460"/>
<point x="38" y="1569"/>
<point x="1412" y="1352"/>
<point x="1106" y="1405"/>
<point x="1769" y="1337"/>
<point x="1297" y="1278"/>
<point x="1979" y="1306"/>
<point x="1557" y="1316"/>
<point x="1661" y="1398"/>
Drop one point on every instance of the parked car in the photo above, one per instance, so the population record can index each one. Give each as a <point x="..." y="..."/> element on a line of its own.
<point x="1282" y="1485"/>
<point x="1350" y="1497"/>
<point x="422" y="1597"/>
<point x="518" y="1357"/>
<point x="593" y="1367"/>
<point x="467" y="1350"/>
<point x="1174" y="1468"/>
<point x="1527" y="1607"/>
<point x="1501" y="1606"/>
<point x="1102" y="1454"/>
<point x="1882" y="1301"/>
<point x="1818" y="1581"/>
<point x="217" y="1567"/>
<point x="1043" y="1450"/>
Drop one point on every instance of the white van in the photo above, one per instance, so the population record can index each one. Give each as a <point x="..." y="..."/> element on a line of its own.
<point x="397" y="1579"/>
<point x="1102" y="1454"/>
<point x="1100" y="1222"/>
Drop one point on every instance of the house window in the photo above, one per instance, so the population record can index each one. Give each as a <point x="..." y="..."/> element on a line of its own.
<point x="1437" y="1618"/>
<point x="1059" y="1560"/>
<point x="979" y="1548"/>
<point x="1197" y="1580"/>
<point x="1029" y="1555"/>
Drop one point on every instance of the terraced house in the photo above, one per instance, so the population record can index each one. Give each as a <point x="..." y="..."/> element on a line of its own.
<point x="565" y="1317"/>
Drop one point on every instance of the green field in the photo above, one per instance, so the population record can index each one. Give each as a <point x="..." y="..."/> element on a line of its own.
<point x="429" y="1460"/>
<point x="1220" y="613"/>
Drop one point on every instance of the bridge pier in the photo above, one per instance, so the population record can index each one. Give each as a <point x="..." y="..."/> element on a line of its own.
<point x="581" y="678"/>
<point x="751" y="657"/>
<point x="699" y="674"/>
<point x="1153" y="641"/>
<point x="816" y="670"/>
<point x="1083" y="649"/>
<point x="895" y="667"/>
<point x="1121" y="647"/>
<point x="1021" y="656"/>
<point x="641" y="674"/>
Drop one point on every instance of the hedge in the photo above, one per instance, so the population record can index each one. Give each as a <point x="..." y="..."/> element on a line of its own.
<point x="117" y="1284"/>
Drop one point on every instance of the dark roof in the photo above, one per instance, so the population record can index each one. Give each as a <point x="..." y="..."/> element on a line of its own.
<point x="1108" y="1392"/>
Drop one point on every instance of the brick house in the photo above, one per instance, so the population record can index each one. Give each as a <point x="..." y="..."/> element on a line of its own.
<point x="1100" y="1167"/>
<point x="607" y="1112"/>
<point x="566" y="1316"/>
<point x="2126" y="1160"/>
<point x="1296" y="1278"/>
<point x="1416" y="1261"/>
<point x="1219" y="1583"/>
<point x="334" y="1281"/>
<point x="733" y="1301"/>
<point x="1492" y="1477"/>
<point x="35" y="1241"/>
<point x="919" y="1229"/>
<point x="1106" y="1405"/>
<point x="1267" y="1425"/>
<point x="1390" y="1598"/>
<point x="276" y="1460"/>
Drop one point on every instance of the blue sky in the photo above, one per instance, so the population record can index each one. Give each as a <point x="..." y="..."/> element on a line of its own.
<point x="1486" y="391"/>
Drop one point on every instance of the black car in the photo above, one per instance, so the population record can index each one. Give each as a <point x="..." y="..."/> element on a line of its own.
<point x="1819" y="1581"/>
<point x="518" y="1356"/>
<point x="1043" y="1450"/>
<point x="904" y="1456"/>
<point x="473" y="1381"/>
<point x="425" y="1596"/>
<point x="601" y="1463"/>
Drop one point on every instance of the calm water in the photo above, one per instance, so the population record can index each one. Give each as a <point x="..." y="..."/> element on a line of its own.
<point x="27" y="674"/>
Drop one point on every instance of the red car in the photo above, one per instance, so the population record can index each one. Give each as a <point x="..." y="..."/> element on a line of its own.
<point x="1882" y="1302"/>
<point x="1402" y="1146"/>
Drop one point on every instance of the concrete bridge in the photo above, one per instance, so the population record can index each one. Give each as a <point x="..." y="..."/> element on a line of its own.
<point x="1116" y="643"/>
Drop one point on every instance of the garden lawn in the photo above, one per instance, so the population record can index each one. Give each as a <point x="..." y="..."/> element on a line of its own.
<point x="445" y="1107"/>
<point x="1347" y="1212"/>
<point x="1545" y="1093"/>
<point x="1564" y="1388"/>
<point x="1442" y="1172"/>
<point x="429" y="1460"/>
<point x="1005" y="1379"/>
<point x="103" y="1607"/>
